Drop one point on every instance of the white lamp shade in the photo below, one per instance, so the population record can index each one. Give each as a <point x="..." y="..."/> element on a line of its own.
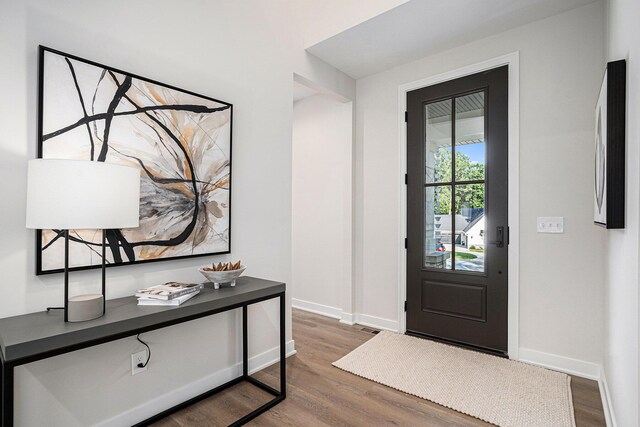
<point x="78" y="194"/>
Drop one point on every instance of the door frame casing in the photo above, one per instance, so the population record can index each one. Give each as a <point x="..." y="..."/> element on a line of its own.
<point x="512" y="60"/>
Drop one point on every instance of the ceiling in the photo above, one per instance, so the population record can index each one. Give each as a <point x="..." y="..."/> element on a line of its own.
<point x="420" y="28"/>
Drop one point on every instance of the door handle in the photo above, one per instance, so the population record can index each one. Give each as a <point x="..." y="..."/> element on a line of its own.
<point x="499" y="242"/>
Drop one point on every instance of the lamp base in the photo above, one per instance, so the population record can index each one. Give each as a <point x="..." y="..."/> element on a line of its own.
<point x="85" y="307"/>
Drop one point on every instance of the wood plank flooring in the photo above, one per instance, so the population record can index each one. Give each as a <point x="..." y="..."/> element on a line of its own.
<point x="320" y="395"/>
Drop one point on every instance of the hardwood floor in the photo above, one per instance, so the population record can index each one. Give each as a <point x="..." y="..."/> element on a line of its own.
<point x="320" y="395"/>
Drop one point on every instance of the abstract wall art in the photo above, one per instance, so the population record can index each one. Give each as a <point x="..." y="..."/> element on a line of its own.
<point x="609" y="184"/>
<point x="179" y="140"/>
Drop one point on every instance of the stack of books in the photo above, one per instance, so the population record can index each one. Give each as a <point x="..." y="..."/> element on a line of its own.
<point x="169" y="294"/>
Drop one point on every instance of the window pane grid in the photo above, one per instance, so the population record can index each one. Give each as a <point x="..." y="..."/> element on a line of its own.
<point x="436" y="184"/>
<point x="454" y="183"/>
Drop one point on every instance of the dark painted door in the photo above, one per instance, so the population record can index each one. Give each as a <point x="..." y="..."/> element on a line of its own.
<point x="457" y="228"/>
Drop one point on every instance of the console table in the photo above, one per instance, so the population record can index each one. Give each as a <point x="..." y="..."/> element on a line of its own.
<point x="37" y="336"/>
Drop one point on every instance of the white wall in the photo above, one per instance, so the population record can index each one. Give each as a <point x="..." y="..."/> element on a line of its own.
<point x="241" y="52"/>
<point x="561" y="276"/>
<point x="621" y="334"/>
<point x="321" y="252"/>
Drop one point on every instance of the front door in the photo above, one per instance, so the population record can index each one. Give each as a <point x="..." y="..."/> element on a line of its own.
<point x="457" y="228"/>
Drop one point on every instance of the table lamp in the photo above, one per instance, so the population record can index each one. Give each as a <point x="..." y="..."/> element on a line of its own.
<point x="78" y="195"/>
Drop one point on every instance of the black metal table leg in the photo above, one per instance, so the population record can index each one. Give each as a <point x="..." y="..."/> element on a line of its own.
<point x="6" y="405"/>
<point x="245" y="346"/>
<point x="283" y="349"/>
<point x="279" y="395"/>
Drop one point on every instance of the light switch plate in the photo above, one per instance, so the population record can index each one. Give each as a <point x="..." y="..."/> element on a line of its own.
<point x="550" y="224"/>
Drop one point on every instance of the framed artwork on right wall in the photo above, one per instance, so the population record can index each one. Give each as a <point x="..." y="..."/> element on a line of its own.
<point x="609" y="195"/>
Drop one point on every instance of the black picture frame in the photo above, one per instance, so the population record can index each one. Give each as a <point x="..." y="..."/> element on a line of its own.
<point x="610" y="145"/>
<point x="42" y="50"/>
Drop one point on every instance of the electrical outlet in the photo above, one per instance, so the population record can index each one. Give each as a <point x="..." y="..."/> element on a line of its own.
<point x="136" y="359"/>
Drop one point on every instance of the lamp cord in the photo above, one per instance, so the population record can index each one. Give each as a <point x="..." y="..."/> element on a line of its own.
<point x="140" y="365"/>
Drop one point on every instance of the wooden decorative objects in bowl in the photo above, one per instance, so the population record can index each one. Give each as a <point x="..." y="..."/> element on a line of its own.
<point x="222" y="273"/>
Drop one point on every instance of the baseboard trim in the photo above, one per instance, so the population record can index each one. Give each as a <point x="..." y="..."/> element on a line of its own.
<point x="607" y="407"/>
<point x="344" y="317"/>
<point x="268" y="358"/>
<point x="312" y="307"/>
<point x="174" y="397"/>
<point x="377" y="322"/>
<point x="348" y="319"/>
<point x="564" y="364"/>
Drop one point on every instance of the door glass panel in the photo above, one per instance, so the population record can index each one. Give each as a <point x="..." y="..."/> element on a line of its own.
<point x="437" y="251"/>
<point x="470" y="143"/>
<point x="438" y="141"/>
<point x="470" y="227"/>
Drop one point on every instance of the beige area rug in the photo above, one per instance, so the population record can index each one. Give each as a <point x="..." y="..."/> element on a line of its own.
<point x="493" y="389"/>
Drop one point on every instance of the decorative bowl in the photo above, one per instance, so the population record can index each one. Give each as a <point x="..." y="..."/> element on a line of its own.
<point x="219" y="277"/>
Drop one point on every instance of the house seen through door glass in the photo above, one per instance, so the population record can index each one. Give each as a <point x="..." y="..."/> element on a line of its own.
<point x="455" y="183"/>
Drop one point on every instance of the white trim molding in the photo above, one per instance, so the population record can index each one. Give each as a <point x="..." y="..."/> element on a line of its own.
<point x="564" y="364"/>
<point x="605" y="395"/>
<point x="348" y="318"/>
<point x="313" y="307"/>
<point x="174" y="397"/>
<point x="512" y="60"/>
<point x="344" y="317"/>
<point x="377" y="322"/>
